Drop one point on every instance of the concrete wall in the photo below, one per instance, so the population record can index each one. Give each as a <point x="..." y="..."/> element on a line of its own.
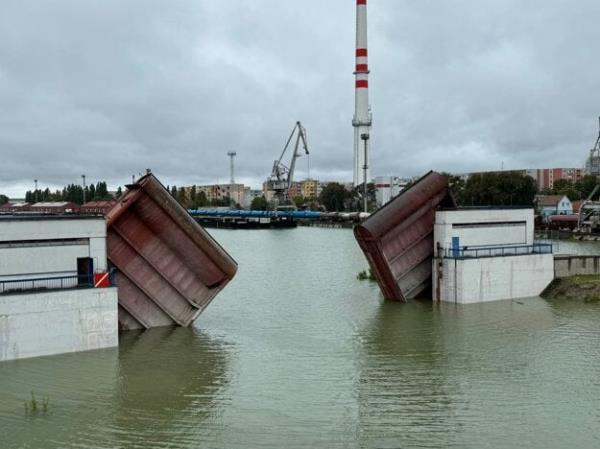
<point x="484" y="227"/>
<point x="45" y="323"/>
<point x="565" y="266"/>
<point x="491" y="278"/>
<point x="36" y="247"/>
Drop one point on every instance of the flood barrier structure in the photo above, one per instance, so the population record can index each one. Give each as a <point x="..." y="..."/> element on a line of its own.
<point x="397" y="240"/>
<point x="169" y="268"/>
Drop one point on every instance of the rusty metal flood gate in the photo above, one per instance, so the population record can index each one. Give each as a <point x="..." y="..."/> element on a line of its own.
<point x="397" y="240"/>
<point x="169" y="268"/>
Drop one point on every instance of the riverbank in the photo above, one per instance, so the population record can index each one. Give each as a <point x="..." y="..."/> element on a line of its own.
<point x="584" y="288"/>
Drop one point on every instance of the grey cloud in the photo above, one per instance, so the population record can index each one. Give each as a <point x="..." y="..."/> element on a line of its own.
<point x="109" y="88"/>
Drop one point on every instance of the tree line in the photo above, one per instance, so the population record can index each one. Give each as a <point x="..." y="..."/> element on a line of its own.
<point x="514" y="189"/>
<point x="73" y="193"/>
<point x="485" y="189"/>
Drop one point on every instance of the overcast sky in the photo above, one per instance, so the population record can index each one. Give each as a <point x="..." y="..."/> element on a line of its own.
<point x="109" y="88"/>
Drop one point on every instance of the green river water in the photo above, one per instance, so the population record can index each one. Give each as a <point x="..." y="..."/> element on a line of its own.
<point x="297" y="353"/>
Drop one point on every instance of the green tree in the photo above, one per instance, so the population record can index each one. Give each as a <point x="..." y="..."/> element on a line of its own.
<point x="119" y="192"/>
<point x="457" y="186"/>
<point x="586" y="185"/>
<point x="101" y="191"/>
<point x="499" y="189"/>
<point x="201" y="200"/>
<point x="193" y="197"/>
<point x="91" y="196"/>
<point x="299" y="201"/>
<point x="333" y="196"/>
<point x="567" y="188"/>
<point x="3" y="199"/>
<point x="259" y="203"/>
<point x="182" y="197"/>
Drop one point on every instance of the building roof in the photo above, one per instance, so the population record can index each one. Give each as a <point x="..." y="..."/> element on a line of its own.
<point x="100" y="203"/>
<point x="549" y="200"/>
<point x="15" y="205"/>
<point x="55" y="205"/>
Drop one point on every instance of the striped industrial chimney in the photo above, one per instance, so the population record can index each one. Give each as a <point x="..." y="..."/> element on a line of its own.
<point x="362" y="115"/>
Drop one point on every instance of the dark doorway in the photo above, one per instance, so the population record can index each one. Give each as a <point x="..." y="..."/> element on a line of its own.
<point x="85" y="270"/>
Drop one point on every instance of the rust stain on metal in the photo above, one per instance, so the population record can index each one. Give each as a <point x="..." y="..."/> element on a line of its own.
<point x="170" y="268"/>
<point x="397" y="240"/>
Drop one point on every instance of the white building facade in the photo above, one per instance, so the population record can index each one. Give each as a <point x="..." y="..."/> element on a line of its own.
<point x="387" y="188"/>
<point x="488" y="254"/>
<point x="48" y="268"/>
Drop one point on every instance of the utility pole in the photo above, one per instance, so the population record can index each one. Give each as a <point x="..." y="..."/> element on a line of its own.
<point x="232" y="155"/>
<point x="83" y="178"/>
<point x="365" y="139"/>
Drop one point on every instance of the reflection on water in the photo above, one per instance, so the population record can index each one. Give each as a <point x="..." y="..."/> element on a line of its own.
<point x="297" y="353"/>
<point x="501" y="374"/>
<point x="169" y="380"/>
<point x="157" y="382"/>
<point x="402" y="395"/>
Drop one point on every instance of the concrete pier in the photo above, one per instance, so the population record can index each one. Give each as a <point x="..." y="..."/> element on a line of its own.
<point x="54" y="322"/>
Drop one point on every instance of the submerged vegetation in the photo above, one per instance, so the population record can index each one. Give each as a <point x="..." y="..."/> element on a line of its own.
<point x="33" y="407"/>
<point x="365" y="275"/>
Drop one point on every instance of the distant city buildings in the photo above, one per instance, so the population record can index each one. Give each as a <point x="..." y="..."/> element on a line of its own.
<point x="236" y="193"/>
<point x="544" y="177"/>
<point x="310" y="188"/>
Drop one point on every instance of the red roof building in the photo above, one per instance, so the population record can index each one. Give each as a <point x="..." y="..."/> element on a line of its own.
<point x="11" y="208"/>
<point x="100" y="207"/>
<point x="55" y="207"/>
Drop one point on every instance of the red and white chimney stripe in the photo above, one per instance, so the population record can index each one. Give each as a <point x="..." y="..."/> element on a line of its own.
<point x="362" y="116"/>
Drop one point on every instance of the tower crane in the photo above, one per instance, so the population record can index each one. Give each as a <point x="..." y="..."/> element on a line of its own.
<point x="282" y="176"/>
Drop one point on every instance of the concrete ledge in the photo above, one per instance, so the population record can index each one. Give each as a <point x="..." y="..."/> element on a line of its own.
<point x="55" y="322"/>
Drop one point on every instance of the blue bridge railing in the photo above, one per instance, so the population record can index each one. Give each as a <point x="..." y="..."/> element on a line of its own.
<point x="465" y="252"/>
<point x="46" y="283"/>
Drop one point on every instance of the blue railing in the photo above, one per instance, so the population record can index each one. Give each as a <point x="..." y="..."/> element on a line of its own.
<point x="465" y="252"/>
<point x="47" y="283"/>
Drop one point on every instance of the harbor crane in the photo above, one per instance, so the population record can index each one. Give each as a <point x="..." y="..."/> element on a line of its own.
<point x="282" y="176"/>
<point x="589" y="211"/>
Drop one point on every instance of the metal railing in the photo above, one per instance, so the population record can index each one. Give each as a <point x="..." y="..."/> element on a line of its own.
<point x="47" y="283"/>
<point x="465" y="252"/>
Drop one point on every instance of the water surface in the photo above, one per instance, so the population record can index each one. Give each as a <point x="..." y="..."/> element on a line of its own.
<point x="297" y="353"/>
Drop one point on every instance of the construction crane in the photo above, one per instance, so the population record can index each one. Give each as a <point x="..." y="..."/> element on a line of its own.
<point x="589" y="211"/>
<point x="282" y="176"/>
<point x="592" y="165"/>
